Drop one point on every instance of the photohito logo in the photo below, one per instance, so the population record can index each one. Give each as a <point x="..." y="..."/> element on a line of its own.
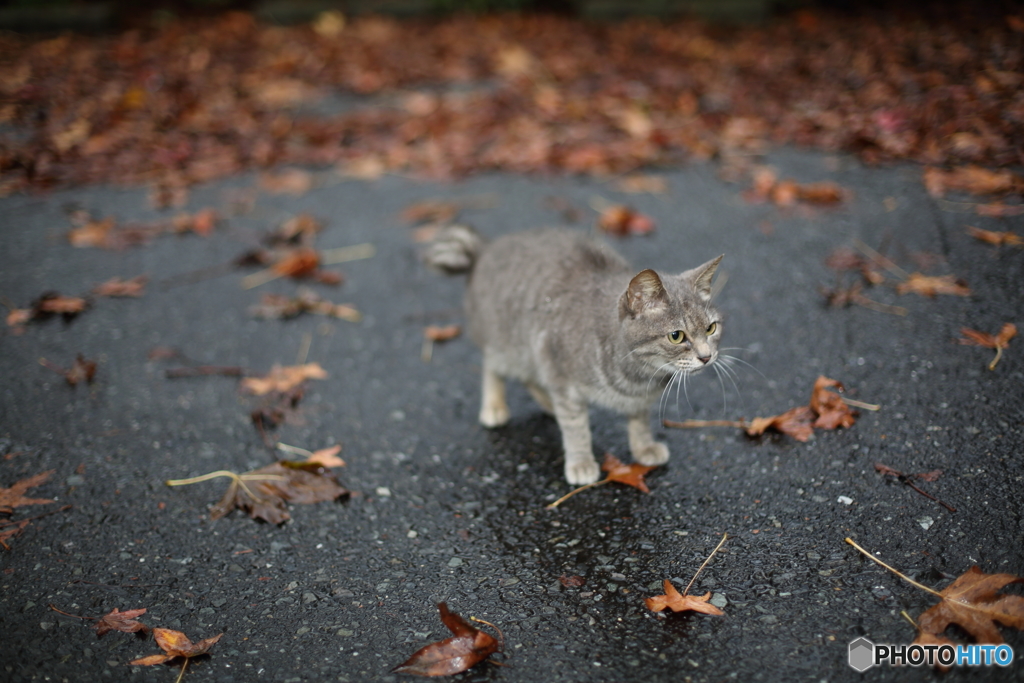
<point x="864" y="654"/>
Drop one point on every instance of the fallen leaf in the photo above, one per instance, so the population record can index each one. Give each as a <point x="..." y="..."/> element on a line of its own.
<point x="292" y="181"/>
<point x="678" y="602"/>
<point x="431" y="211"/>
<point x="120" y="621"/>
<point x="118" y="287"/>
<point x="971" y="179"/>
<point x="973" y="603"/>
<point x="280" y="406"/>
<point x="175" y="644"/>
<point x="828" y="406"/>
<point x="201" y="223"/>
<point x="996" y="238"/>
<point x="621" y="220"/>
<point x="297" y="263"/>
<point x="301" y="229"/>
<point x="283" y="378"/>
<point x="264" y="493"/>
<point x="999" y="210"/>
<point x="439" y="333"/>
<point x="796" y="422"/>
<point x="998" y="341"/>
<point x="14" y="496"/>
<point x="931" y="285"/>
<point x="631" y="474"/>
<point x="639" y="184"/>
<point x="327" y="457"/>
<point x="467" y="647"/>
<point x="275" y="306"/>
<point x="573" y="581"/>
<point x="930" y="639"/>
<point x="53" y="303"/>
<point x="82" y="370"/>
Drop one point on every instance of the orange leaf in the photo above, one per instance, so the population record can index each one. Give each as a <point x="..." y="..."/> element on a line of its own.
<point x="175" y="644"/>
<point x="974" y="603"/>
<point x="795" y="422"/>
<point x="118" y="287"/>
<point x="990" y="341"/>
<point x="121" y="621"/>
<point x="631" y="474"/>
<point x="832" y="412"/>
<point x="996" y="238"/>
<point x="328" y="457"/>
<point x="283" y="378"/>
<point x="930" y="285"/>
<point x="439" y="333"/>
<point x="678" y="602"/>
<point x="14" y="496"/>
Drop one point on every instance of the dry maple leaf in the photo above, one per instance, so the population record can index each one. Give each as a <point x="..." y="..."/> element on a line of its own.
<point x="678" y="602"/>
<point x="795" y="422"/>
<point x="631" y="474"/>
<point x="283" y="378"/>
<point x="118" y="287"/>
<point x="327" y="457"/>
<point x="52" y="303"/>
<point x="275" y="306"/>
<point x="930" y="285"/>
<point x="996" y="238"/>
<point x="973" y="602"/>
<point x="14" y="496"/>
<point x="264" y="493"/>
<point x="175" y="644"/>
<point x="832" y="412"/>
<point x="467" y="647"/>
<point x="120" y="621"/>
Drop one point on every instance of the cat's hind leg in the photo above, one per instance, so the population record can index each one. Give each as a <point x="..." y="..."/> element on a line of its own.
<point x="642" y="445"/>
<point x="493" y="408"/>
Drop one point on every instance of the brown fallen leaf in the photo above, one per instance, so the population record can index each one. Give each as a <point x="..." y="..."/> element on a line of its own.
<point x="118" y="287"/>
<point x="971" y="179"/>
<point x="467" y="647"/>
<point x="908" y="480"/>
<point x="120" y="621"/>
<point x="277" y="408"/>
<point x="831" y="411"/>
<point x="431" y="211"/>
<point x="767" y="187"/>
<point x="999" y="210"/>
<point x="631" y="474"/>
<point x="621" y="220"/>
<point x="327" y="457"/>
<point x="678" y="602"/>
<point x="931" y="285"/>
<point x="14" y="496"/>
<point x="52" y="303"/>
<point x="998" y="341"/>
<point x="297" y="230"/>
<point x="293" y="181"/>
<point x="201" y="222"/>
<point x="275" y="306"/>
<point x="573" y="581"/>
<point x="175" y="644"/>
<point x="283" y="378"/>
<point x="642" y="184"/>
<point x="82" y="370"/>
<point x="441" y="333"/>
<point x="973" y="603"/>
<point x="994" y="237"/>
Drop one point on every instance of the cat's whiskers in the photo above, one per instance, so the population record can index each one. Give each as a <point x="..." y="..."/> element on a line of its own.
<point x="654" y="376"/>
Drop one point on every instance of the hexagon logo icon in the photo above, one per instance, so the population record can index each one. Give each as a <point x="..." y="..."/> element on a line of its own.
<point x="862" y="654"/>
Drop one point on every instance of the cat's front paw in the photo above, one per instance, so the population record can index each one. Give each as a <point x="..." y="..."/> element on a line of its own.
<point x="493" y="415"/>
<point x="582" y="471"/>
<point x="652" y="454"/>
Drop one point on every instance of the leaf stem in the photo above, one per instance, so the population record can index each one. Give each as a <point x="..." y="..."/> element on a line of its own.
<point x="574" y="492"/>
<point x="692" y="424"/>
<point x="501" y="636"/>
<point x="999" y="354"/>
<point x="902" y="576"/>
<point x="184" y="666"/>
<point x="860" y="404"/>
<point x="701" y="568"/>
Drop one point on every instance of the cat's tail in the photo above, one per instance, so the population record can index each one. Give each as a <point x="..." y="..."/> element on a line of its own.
<point x="454" y="250"/>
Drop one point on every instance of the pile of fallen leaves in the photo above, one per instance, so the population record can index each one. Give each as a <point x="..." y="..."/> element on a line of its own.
<point x="194" y="100"/>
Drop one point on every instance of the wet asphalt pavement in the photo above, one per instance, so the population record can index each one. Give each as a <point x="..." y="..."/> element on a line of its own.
<point x="444" y="510"/>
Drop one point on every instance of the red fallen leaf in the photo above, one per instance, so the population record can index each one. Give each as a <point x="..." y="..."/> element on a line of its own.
<point x="994" y="237"/>
<point x="467" y="647"/>
<point x="265" y="493"/>
<point x="438" y="333"/>
<point x="118" y="287"/>
<point x="621" y="220"/>
<point x="631" y="474"/>
<point x="14" y="496"/>
<point x="120" y="621"/>
<point x="298" y="263"/>
<point x="283" y="378"/>
<point x="201" y="223"/>
<point x="931" y="285"/>
<point x="175" y="644"/>
<point x="571" y="581"/>
<point x="678" y="602"/>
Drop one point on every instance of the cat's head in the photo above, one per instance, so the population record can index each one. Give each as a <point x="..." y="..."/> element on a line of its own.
<point x="668" y="321"/>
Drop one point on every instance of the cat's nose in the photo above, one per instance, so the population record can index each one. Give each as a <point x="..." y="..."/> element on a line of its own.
<point x="704" y="359"/>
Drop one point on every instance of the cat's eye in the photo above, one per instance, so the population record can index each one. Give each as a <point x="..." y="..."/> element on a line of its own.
<point x="711" y="328"/>
<point x="677" y="337"/>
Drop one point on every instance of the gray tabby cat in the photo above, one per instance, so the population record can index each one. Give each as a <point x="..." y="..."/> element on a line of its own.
<point x="563" y="313"/>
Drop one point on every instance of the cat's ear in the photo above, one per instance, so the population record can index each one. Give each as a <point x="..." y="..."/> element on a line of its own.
<point x="645" y="292"/>
<point x="701" y="277"/>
